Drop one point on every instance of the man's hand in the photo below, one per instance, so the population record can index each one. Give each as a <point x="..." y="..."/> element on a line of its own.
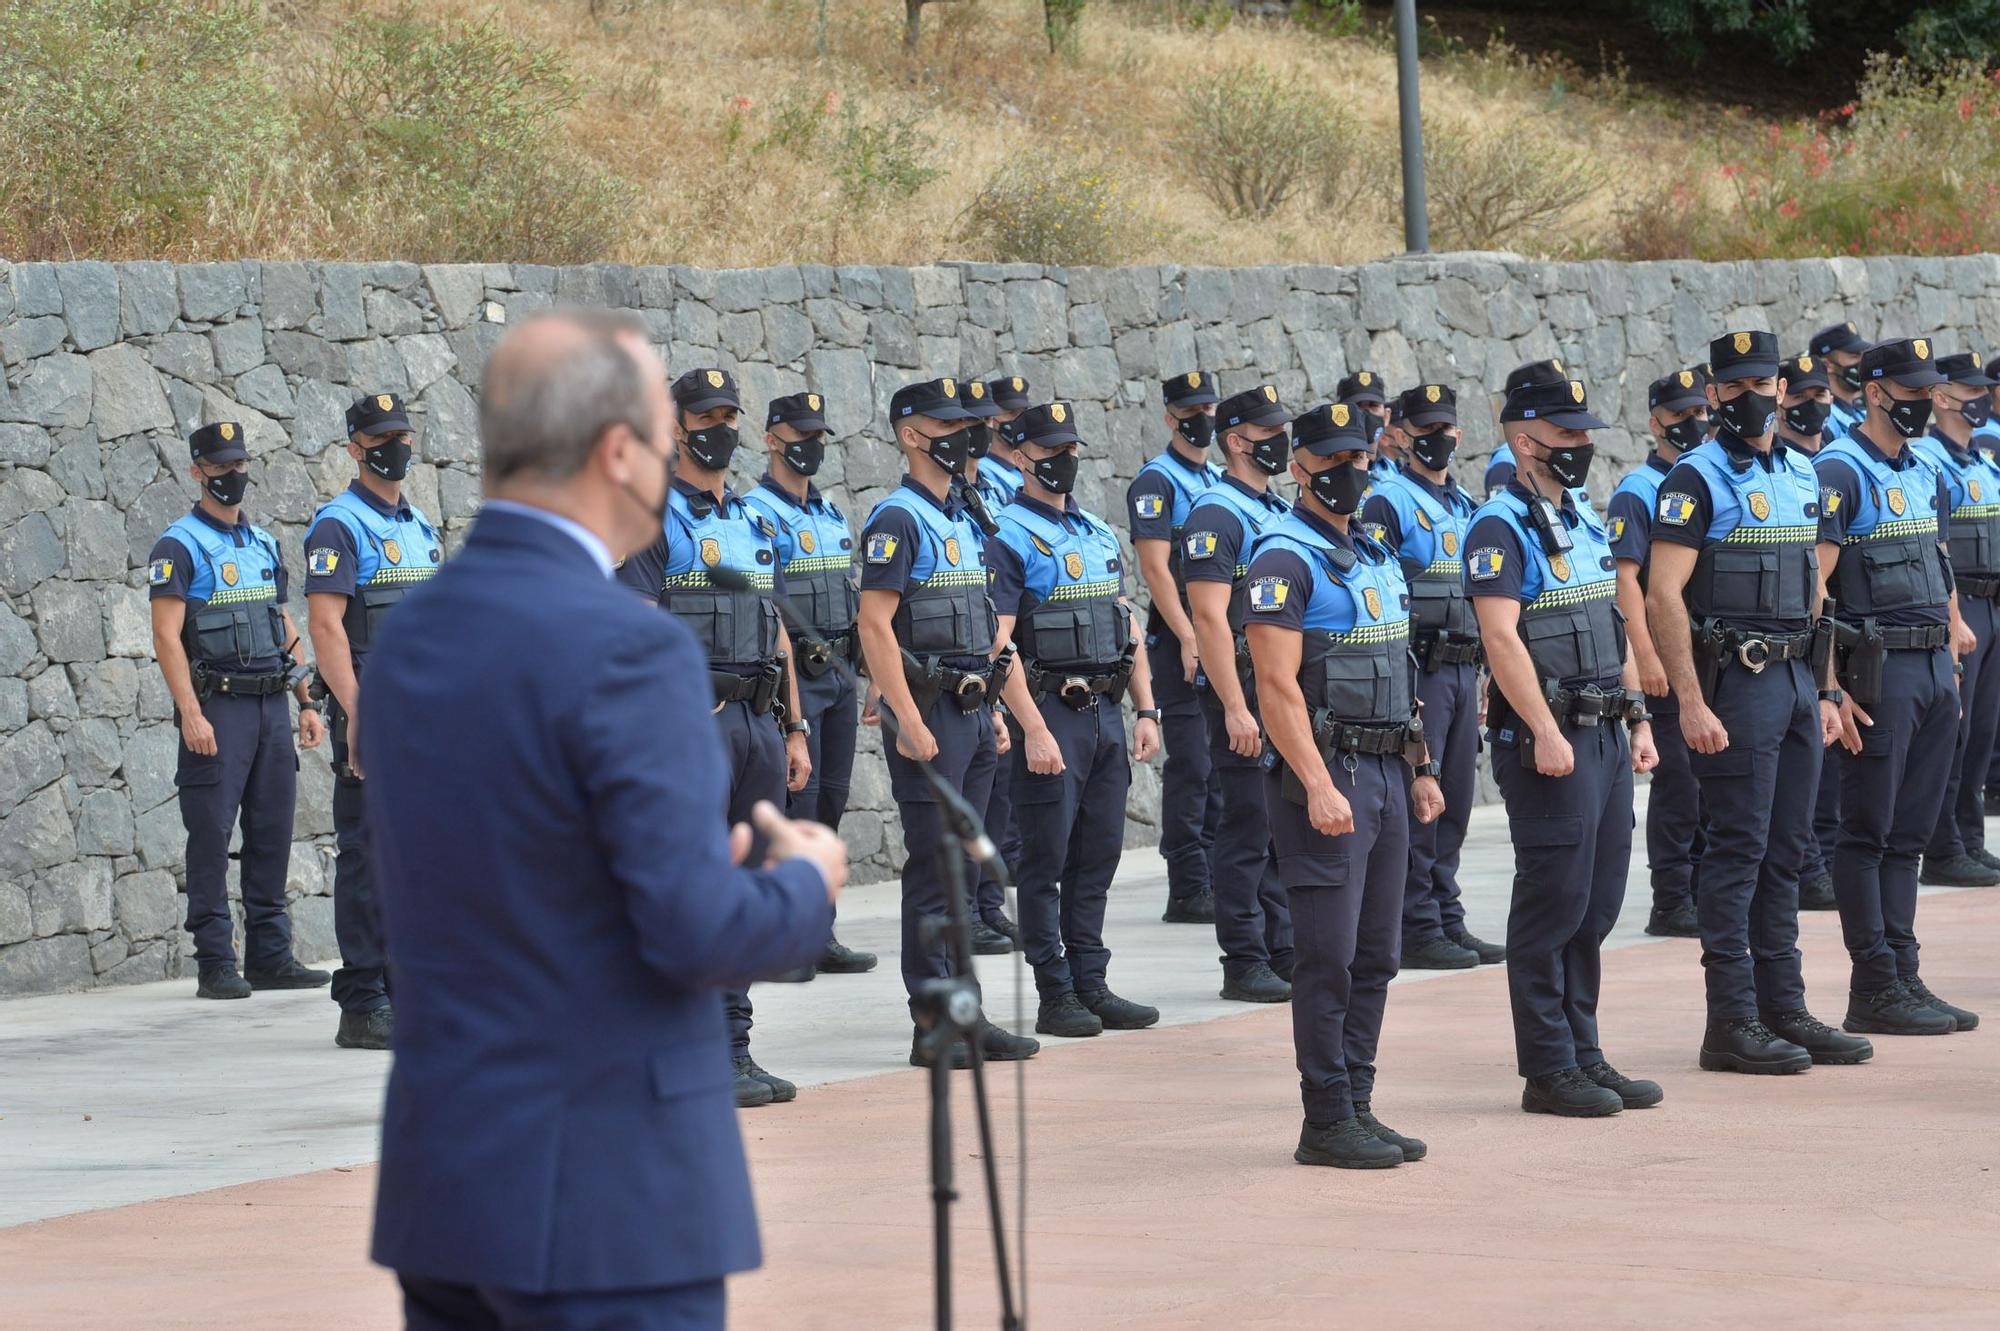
<point x="1245" y="739"/>
<point x="1652" y="674"/>
<point x="1852" y="718"/>
<point x="1963" y="640"/>
<point x="871" y="707"/>
<point x="794" y="839"/>
<point x="1003" y="738"/>
<point x="798" y="762"/>
<point x="1553" y="755"/>
<point x="1702" y="728"/>
<point x="1044" y="754"/>
<point x="1829" y="723"/>
<point x="1328" y="812"/>
<point x="311" y="729"/>
<point x="1190" y="660"/>
<point x="1145" y="739"/>
<point x="914" y="740"/>
<point x="1427" y="798"/>
<point x="197" y="733"/>
<point x="1645" y="753"/>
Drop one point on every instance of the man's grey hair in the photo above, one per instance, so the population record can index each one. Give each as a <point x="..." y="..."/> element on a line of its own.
<point x="544" y="407"/>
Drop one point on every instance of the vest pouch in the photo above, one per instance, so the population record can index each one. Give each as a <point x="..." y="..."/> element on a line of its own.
<point x="1972" y="545"/>
<point x="946" y="621"/>
<point x="363" y="618"/>
<point x="711" y="616"/>
<point x="1358" y="686"/>
<point x="1436" y="605"/>
<point x="1566" y="645"/>
<point x="1740" y="584"/>
<point x="223" y="636"/>
<point x="1893" y="577"/>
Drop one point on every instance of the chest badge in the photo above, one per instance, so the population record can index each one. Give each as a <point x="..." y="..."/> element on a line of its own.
<point x="229" y="575"/>
<point x="1373" y="600"/>
<point x="806" y="541"/>
<point x="1423" y="520"/>
<point x="1896" y="501"/>
<point x="1451" y="542"/>
<point x="1972" y="488"/>
<point x="711" y="551"/>
<point x="1760" y="506"/>
<point x="1559" y="565"/>
<point x="392" y="551"/>
<point x="951" y="551"/>
<point x="1073" y="564"/>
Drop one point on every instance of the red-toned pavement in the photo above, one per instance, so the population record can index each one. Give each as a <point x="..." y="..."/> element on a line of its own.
<point x="1163" y="1192"/>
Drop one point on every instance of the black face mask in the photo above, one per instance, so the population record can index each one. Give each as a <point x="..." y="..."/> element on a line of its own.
<point x="1571" y="465"/>
<point x="1807" y="417"/>
<point x="1976" y="412"/>
<point x="227" y="489"/>
<point x="1340" y="488"/>
<point x="1908" y="419"/>
<point x="1270" y="456"/>
<point x="1850" y="375"/>
<point x="1749" y="414"/>
<point x="1198" y="429"/>
<point x="805" y="455"/>
<point x="712" y="447"/>
<point x="658" y="512"/>
<point x="1056" y="474"/>
<point x="1371" y="426"/>
<point x="1687" y="434"/>
<point x="979" y="439"/>
<point x="950" y="451"/>
<point x="1434" y="450"/>
<point x="390" y="461"/>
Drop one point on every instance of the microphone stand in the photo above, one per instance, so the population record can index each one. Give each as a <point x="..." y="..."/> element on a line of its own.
<point x="946" y="1010"/>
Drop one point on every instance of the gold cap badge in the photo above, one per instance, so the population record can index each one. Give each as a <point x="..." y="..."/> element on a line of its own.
<point x="1430" y="392"/>
<point x="1364" y="379"/>
<point x="1922" y="348"/>
<point x="1557" y="362"/>
<point x="950" y="388"/>
<point x="1018" y="385"/>
<point x="1338" y="414"/>
<point x="977" y="389"/>
<point x="385" y="402"/>
<point x="1194" y="378"/>
<point x="1270" y="393"/>
<point x="1805" y="365"/>
<point x="1741" y="342"/>
<point x="1687" y="378"/>
<point x="1058" y="412"/>
<point x="715" y="378"/>
<point x="227" y="431"/>
<point x="1576" y="389"/>
<point x="812" y="401"/>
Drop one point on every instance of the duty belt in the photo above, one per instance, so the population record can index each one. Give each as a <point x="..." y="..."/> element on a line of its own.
<point x="930" y="678"/>
<point x="1983" y="586"/>
<point x="1442" y="649"/>
<point x="208" y="681"/>
<point x="1755" y="651"/>
<point x="1915" y="637"/>
<point x="759" y="690"/>
<point x="817" y="655"/>
<point x="1080" y="689"/>
<point x="1588" y="706"/>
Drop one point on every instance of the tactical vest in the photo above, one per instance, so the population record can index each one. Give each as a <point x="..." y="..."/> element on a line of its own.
<point x="817" y="551"/>
<point x="1841" y="419"/>
<point x="1188" y="486"/>
<point x="238" y="623"/>
<point x="1355" y="658"/>
<point x="1757" y="559"/>
<point x="735" y="628"/>
<point x="1571" y="626"/>
<point x="945" y="610"/>
<point x="999" y="482"/>
<point x="392" y="555"/>
<point x="1255" y="514"/>
<point x="1642" y="483"/>
<point x="1889" y="559"/>
<point x="1081" y="623"/>
<point x="1973" y="480"/>
<point x="1434" y="536"/>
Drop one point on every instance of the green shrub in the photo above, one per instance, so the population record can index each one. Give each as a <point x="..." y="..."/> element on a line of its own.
<point x="1499" y="189"/>
<point x="1254" y="140"/>
<point x="1043" y="207"/>
<point x="121" y="120"/>
<point x="876" y="158"/>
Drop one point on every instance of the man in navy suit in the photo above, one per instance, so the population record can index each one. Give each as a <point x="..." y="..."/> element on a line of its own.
<point x="558" y="886"/>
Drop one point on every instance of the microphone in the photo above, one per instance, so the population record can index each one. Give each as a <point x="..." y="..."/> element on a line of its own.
<point x="959" y="814"/>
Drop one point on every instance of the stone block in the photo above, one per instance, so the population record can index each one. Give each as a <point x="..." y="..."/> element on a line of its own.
<point x="389" y="315"/>
<point x="788" y="334"/>
<point x="36" y="834"/>
<point x="319" y="419"/>
<point x="13" y="705"/>
<point x="37" y="290"/>
<point x="343" y="317"/>
<point x="128" y="626"/>
<point x="185" y="356"/>
<point x="741" y="335"/>
<point x="151" y="754"/>
<point x="68" y="622"/>
<point x="264" y="388"/>
<point x="30" y="551"/>
<point x="30" y="759"/>
<point x="290" y="297"/>
<point x="126" y="393"/>
<point x="427" y="358"/>
<point x="374" y="366"/>
<point x="17" y="642"/>
<point x="451" y="424"/>
<point x="17" y="916"/>
<point x="144" y="905"/>
<point x="159" y="837"/>
<point x="24" y="445"/>
<point x="45" y="965"/>
<point x="94" y="538"/>
<point x="212" y="291"/>
<point x="844" y="377"/>
<point x="309" y="356"/>
<point x="239" y="345"/>
<point x="54" y="393"/>
<point x="893" y="339"/>
<point x="24" y="339"/>
<point x="1038" y="314"/>
<point x="107" y="688"/>
<point x="148" y="297"/>
<point x="457" y="291"/>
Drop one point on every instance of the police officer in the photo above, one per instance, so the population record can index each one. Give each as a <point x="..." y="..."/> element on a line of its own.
<point x="366" y="550"/>
<point x="1840" y="347"/>
<point x="1363" y="392"/>
<point x="1059" y="594"/>
<point x="1500" y="467"/>
<point x="1957" y="855"/>
<point x="1542" y="579"/>
<point x="1677" y="419"/>
<point x="1732" y="602"/>
<point x="707" y="526"/>
<point x="1883" y="525"/>
<point x="815" y="553"/>
<point x="1421" y="515"/>
<point x="1803" y="412"/>
<point x="1392" y="445"/>
<point x="992" y="488"/>
<point x="927" y="632"/>
<point x="999" y="472"/>
<point x="1158" y="501"/>
<point x="224" y="642"/>
<point x="1328" y="623"/>
<point x="1253" y="919"/>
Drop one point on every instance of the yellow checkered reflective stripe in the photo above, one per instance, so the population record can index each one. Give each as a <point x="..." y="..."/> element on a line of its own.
<point x="263" y="591"/>
<point x="819" y="563"/>
<point x="1373" y="633"/>
<point x="955" y="577"/>
<point x="1976" y="511"/>
<point x="1559" y="596"/>
<point x="1804" y="534"/>
<point x="390" y="573"/>
<point x="1896" y="529"/>
<point x="1085" y="591"/>
<point x="698" y="579"/>
<point x="1454" y="568"/>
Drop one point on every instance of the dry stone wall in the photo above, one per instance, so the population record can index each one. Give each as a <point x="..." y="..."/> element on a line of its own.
<point x="109" y="366"/>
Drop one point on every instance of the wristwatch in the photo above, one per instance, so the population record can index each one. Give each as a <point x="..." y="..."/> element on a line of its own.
<point x="1147" y="713"/>
<point x="1431" y="768"/>
<point x="1834" y="696"/>
<point x="799" y="727"/>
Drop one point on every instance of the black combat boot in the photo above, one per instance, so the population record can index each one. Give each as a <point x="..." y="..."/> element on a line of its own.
<point x="221" y="982"/>
<point x="1631" y="1092"/>
<point x="291" y="975"/>
<point x="1745" y="1044"/>
<point x="988" y="941"/>
<point x="366" y="1030"/>
<point x="1816" y="893"/>
<point x="1412" y="1149"/>
<point x="1893" y="1010"/>
<point x="1921" y="992"/>
<point x="840" y="959"/>
<point x="1195" y="908"/>
<point x="1959" y="870"/>
<point x="1680" y="922"/>
<point x="1348" y="1144"/>
<point x="1569" y="1094"/>
<point x="1118" y="1014"/>
<point x="1066" y="1016"/>
<point x="1825" y="1044"/>
<point x="750" y="1091"/>
<point x="1985" y="857"/>
<point x="781" y="1090"/>
<point x="1488" y="953"/>
<point x="1439" y="954"/>
<point x="1257" y="983"/>
<point x="998" y="922"/>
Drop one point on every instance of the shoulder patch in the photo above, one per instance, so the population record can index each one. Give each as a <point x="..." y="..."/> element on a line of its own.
<point x="159" y="573"/>
<point x="322" y="562"/>
<point x="1829" y="500"/>
<point x="1486" y="562"/>
<point x="1268" y="594"/>
<point x="881" y="548"/>
<point x="1379" y="532"/>
<point x="1150" y="506"/>
<point x="1200" y="545"/>
<point x="1676" y="509"/>
<point x="1617" y="529"/>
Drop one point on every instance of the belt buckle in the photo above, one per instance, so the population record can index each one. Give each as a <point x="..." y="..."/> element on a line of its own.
<point x="1075" y="691"/>
<point x="1762" y="657"/>
<point x="969" y="684"/>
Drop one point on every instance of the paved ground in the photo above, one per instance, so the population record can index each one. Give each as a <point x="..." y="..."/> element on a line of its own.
<point x="1162" y="1189"/>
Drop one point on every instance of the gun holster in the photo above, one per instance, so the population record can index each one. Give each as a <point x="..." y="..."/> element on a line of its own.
<point x="1862" y="657"/>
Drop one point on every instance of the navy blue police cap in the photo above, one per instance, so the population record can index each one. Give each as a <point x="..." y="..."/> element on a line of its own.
<point x="1361" y="386"/>
<point x="1680" y="390"/>
<point x="1906" y="361"/>
<point x="1192" y="389"/>
<point x="379" y="413"/>
<point x="705" y="390"/>
<point x="1559" y="404"/>
<point x="1745" y="355"/>
<point x="1837" y="337"/>
<point x="1253" y="406"/>
<point x="1330" y="428"/>
<point x="1968" y="368"/>
<point x="1803" y="372"/>
<point x="1428" y="404"/>
<point x="1548" y="371"/>
<point x="935" y="398"/>
<point x="220" y="442"/>
<point x="1051" y="425"/>
<point x="1010" y="393"/>
<point x="804" y="412"/>
<point x="972" y="395"/>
